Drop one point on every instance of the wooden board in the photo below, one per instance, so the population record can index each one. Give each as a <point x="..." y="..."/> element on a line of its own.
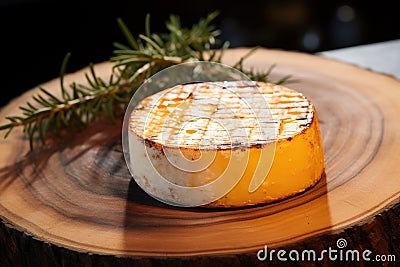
<point x="74" y="203"/>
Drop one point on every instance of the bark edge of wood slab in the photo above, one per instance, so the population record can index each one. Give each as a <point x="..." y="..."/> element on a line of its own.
<point x="73" y="203"/>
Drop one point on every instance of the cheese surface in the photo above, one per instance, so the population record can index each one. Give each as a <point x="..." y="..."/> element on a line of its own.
<point x="225" y="144"/>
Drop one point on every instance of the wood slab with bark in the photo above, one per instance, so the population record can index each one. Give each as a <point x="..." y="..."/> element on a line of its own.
<point x="73" y="202"/>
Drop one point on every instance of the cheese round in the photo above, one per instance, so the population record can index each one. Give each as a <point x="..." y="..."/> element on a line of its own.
<point x="225" y="144"/>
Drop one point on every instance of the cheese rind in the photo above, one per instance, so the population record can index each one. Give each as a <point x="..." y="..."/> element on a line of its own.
<point x="225" y="144"/>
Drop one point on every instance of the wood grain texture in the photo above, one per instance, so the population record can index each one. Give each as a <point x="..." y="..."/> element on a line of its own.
<point x="73" y="203"/>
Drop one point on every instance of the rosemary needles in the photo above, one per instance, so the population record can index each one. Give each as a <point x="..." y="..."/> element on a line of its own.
<point x="141" y="57"/>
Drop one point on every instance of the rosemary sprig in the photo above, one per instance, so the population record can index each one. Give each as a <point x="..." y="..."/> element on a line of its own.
<point x="139" y="59"/>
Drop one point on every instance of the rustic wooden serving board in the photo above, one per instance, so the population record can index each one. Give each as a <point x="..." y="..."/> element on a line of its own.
<point x="74" y="203"/>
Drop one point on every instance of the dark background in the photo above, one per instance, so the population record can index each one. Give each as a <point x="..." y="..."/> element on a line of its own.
<point x="37" y="34"/>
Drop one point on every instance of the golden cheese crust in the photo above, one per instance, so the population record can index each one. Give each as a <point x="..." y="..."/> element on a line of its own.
<point x="225" y="144"/>
<point x="220" y="115"/>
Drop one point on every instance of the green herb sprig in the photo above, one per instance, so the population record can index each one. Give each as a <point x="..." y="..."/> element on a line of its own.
<point x="139" y="59"/>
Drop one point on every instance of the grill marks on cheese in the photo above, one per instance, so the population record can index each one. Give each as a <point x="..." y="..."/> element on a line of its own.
<point x="219" y="115"/>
